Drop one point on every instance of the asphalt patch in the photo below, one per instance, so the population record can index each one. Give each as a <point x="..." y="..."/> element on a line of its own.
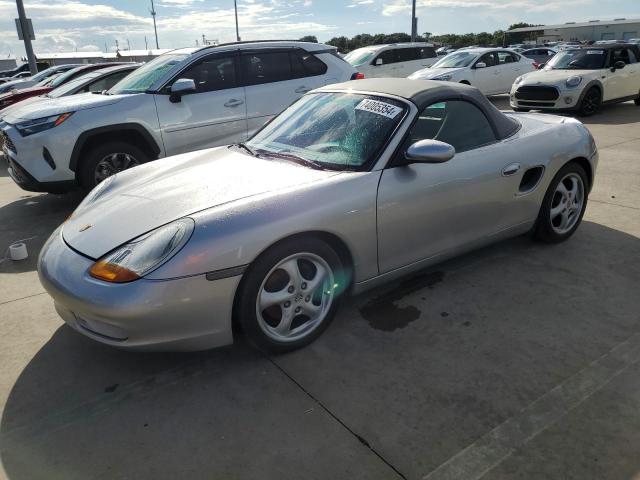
<point x="383" y="314"/>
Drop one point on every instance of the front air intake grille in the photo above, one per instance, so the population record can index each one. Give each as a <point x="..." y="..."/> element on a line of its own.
<point x="530" y="92"/>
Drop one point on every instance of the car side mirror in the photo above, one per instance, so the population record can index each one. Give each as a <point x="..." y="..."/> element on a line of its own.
<point x="481" y="65"/>
<point x="619" y="65"/>
<point x="379" y="61"/>
<point x="181" y="87"/>
<point x="429" y="151"/>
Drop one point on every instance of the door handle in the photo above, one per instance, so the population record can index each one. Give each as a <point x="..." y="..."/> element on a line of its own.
<point x="511" y="169"/>
<point x="234" y="102"/>
<point x="302" y="89"/>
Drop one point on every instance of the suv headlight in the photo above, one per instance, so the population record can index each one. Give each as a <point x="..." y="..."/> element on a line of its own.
<point x="29" y="127"/>
<point x="446" y="77"/>
<point x="519" y="80"/>
<point x="573" y="81"/>
<point x="143" y="254"/>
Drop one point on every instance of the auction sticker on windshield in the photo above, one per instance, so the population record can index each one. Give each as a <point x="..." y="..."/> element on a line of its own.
<point x="595" y="52"/>
<point x="380" y="108"/>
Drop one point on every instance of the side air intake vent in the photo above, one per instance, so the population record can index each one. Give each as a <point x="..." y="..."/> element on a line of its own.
<point x="530" y="179"/>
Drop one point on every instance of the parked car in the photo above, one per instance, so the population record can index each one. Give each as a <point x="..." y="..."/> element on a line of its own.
<point x="581" y="80"/>
<point x="635" y="41"/>
<point x="442" y="51"/>
<point x="185" y="100"/>
<point x="539" y="55"/>
<point x="16" y="76"/>
<point x="354" y="185"/>
<point x="50" y="84"/>
<point x="491" y="70"/>
<point x="394" y="60"/>
<point x="22" y="69"/>
<point x="35" y="79"/>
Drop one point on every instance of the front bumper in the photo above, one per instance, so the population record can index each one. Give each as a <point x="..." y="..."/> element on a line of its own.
<point x="182" y="314"/>
<point x="544" y="97"/>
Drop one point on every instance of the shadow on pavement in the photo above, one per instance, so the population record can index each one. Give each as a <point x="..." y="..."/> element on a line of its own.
<point x="32" y="217"/>
<point x="495" y="330"/>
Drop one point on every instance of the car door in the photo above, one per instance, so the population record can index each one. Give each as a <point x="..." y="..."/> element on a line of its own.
<point x="617" y="81"/>
<point x="215" y="114"/>
<point x="274" y="79"/>
<point x="485" y="78"/>
<point x="388" y="67"/>
<point x="633" y="72"/>
<point x="425" y="210"/>
<point x="511" y="68"/>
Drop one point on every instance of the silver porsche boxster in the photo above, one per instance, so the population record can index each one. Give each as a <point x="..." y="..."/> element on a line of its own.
<point x="354" y="185"/>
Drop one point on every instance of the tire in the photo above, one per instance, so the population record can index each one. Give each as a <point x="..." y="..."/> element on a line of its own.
<point x="549" y="227"/>
<point x="523" y="110"/>
<point x="590" y="103"/>
<point x="465" y="82"/>
<point x="261" y="315"/>
<point x="637" y="102"/>
<point x="128" y="156"/>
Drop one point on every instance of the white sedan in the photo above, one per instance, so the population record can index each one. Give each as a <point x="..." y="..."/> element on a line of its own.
<point x="491" y="70"/>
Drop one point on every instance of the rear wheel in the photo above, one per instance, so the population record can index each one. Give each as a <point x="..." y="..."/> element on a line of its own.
<point x="108" y="159"/>
<point x="637" y="101"/>
<point x="465" y="82"/>
<point x="290" y="294"/>
<point x="563" y="205"/>
<point x="590" y="102"/>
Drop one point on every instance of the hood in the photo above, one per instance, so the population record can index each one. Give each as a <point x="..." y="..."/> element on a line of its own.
<point x="146" y="197"/>
<point x="56" y="106"/>
<point x="552" y="77"/>
<point x="25" y="93"/>
<point x="429" y="73"/>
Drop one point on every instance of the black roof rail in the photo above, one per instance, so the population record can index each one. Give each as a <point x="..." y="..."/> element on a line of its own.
<point x="244" y="42"/>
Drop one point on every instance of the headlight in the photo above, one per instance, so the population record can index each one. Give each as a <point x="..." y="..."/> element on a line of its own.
<point x="444" y="78"/>
<point x="38" y="125"/>
<point x="518" y="80"/>
<point x="144" y="254"/>
<point x="573" y="81"/>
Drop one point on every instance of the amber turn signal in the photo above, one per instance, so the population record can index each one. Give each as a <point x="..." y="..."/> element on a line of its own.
<point x="110" y="272"/>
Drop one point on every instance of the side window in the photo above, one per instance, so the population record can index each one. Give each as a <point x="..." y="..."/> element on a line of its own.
<point x="619" y="55"/>
<point x="551" y="53"/>
<point x="489" y="59"/>
<point x="106" y="83"/>
<point x="408" y="54"/>
<point x="305" y="64"/>
<point x="506" y="57"/>
<point x="266" y="67"/>
<point x="212" y="73"/>
<point x="632" y="56"/>
<point x="388" y="56"/>
<point x="456" y="122"/>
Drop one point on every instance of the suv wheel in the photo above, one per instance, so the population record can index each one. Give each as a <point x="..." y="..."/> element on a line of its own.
<point x="108" y="159"/>
<point x="637" y="101"/>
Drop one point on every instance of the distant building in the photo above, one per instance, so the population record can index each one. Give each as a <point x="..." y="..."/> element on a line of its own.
<point x="64" y="58"/>
<point x="7" y="62"/>
<point x="593" y="30"/>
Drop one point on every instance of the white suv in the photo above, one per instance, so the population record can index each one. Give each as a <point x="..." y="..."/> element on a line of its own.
<point x="185" y="100"/>
<point x="394" y="60"/>
<point x="581" y="80"/>
<point x="491" y="70"/>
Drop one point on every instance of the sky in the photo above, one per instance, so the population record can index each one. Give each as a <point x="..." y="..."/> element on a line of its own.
<point x="69" y="25"/>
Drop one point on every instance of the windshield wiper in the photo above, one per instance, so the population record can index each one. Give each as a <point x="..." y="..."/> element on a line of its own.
<point x="293" y="158"/>
<point x="246" y="148"/>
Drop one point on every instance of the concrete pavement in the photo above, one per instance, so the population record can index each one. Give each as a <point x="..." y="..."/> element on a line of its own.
<point x="516" y="361"/>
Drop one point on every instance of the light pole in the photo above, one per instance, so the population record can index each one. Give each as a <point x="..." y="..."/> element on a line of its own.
<point x="155" y="29"/>
<point x="414" y="25"/>
<point x="235" y="6"/>
<point x="26" y="35"/>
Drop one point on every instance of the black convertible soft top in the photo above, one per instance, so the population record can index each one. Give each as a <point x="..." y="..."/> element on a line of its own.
<point x="425" y="92"/>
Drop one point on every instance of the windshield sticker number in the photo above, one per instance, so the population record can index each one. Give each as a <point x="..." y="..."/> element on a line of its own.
<point x="379" y="108"/>
<point x="595" y="52"/>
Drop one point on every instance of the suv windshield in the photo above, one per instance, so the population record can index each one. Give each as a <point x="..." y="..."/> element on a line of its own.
<point x="337" y="131"/>
<point x="587" y="59"/>
<point x="455" y="60"/>
<point x="141" y="80"/>
<point x="360" y="56"/>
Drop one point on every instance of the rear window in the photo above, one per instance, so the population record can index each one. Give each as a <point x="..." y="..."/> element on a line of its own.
<point x="305" y="64"/>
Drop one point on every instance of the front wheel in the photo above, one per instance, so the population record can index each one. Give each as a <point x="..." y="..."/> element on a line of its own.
<point x="637" y="102"/>
<point x="108" y="159"/>
<point x="290" y="294"/>
<point x="563" y="205"/>
<point x="590" y="102"/>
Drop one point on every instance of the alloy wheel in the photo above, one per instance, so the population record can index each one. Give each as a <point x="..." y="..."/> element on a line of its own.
<point x="567" y="203"/>
<point x="112" y="164"/>
<point x="295" y="297"/>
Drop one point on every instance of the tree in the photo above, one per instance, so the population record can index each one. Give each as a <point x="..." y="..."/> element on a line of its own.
<point x="309" y="38"/>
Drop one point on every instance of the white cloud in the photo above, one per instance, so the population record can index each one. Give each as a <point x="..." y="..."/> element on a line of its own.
<point x="395" y="7"/>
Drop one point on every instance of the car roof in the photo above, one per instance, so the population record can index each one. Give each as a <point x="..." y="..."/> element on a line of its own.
<point x="308" y="46"/>
<point x="426" y="92"/>
<point x="607" y="46"/>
